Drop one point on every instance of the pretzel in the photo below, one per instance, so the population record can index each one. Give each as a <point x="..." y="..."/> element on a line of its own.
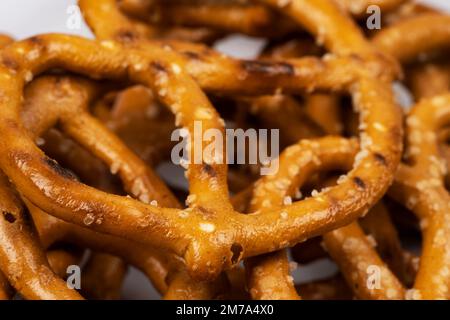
<point x="334" y="288"/>
<point x="233" y="16"/>
<point x="103" y="276"/>
<point x="5" y="288"/>
<point x="406" y="39"/>
<point x="60" y="259"/>
<point x="250" y="20"/>
<point x="76" y="97"/>
<point x="5" y="40"/>
<point x="21" y="259"/>
<point x="427" y="171"/>
<point x="359" y="7"/>
<point x="348" y="245"/>
<point x="429" y="79"/>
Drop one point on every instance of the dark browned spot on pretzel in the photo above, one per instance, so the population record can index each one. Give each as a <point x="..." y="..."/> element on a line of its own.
<point x="127" y="36"/>
<point x="236" y="250"/>
<point x="60" y="170"/>
<point x="206" y="213"/>
<point x="192" y="55"/>
<point x="8" y="216"/>
<point x="158" y="67"/>
<point x="10" y="63"/>
<point x="271" y="68"/>
<point x="380" y="158"/>
<point x="359" y="183"/>
<point x="209" y="170"/>
<point x="37" y="42"/>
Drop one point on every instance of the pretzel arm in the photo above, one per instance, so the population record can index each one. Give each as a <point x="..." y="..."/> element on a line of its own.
<point x="359" y="7"/>
<point x="151" y="262"/>
<point x="103" y="276"/>
<point x="339" y="34"/>
<point x="378" y="224"/>
<point x="326" y="154"/>
<point x="5" y="40"/>
<point x="334" y="288"/>
<point x="420" y="187"/>
<point x="6" y="292"/>
<point x="357" y="259"/>
<point x="429" y="79"/>
<point x="407" y="38"/>
<point x="250" y="20"/>
<point x="59" y="260"/>
<point x="22" y="260"/>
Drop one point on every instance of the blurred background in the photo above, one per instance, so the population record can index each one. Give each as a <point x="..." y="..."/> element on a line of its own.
<point x="25" y="18"/>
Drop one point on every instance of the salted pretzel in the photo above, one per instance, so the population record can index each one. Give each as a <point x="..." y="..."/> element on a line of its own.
<point x="424" y="159"/>
<point x="348" y="246"/>
<point x="426" y="172"/>
<point x="26" y="269"/>
<point x="22" y="261"/>
<point x="76" y="97"/>
<point x="334" y="288"/>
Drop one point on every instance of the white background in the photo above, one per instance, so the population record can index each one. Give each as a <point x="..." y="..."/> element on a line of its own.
<point x="24" y="18"/>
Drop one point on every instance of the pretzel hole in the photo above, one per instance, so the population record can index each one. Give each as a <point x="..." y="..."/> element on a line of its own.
<point x="8" y="216"/>
<point x="236" y="250"/>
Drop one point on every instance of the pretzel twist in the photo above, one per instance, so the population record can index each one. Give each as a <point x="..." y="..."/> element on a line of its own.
<point x="426" y="173"/>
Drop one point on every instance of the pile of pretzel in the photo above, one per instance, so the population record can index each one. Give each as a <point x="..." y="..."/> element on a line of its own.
<point x="85" y="123"/>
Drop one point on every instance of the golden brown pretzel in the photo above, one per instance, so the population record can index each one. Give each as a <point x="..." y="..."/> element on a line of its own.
<point x="5" y="40"/>
<point x="406" y="39"/>
<point x="420" y="187"/>
<point x="348" y="246"/>
<point x="31" y="262"/>
<point x="429" y="79"/>
<point x="334" y="288"/>
<point x="76" y="96"/>
<point x="359" y="7"/>
<point x="103" y="276"/>
<point x="60" y="259"/>
<point x="22" y="260"/>
<point x="6" y="291"/>
<point x="250" y="20"/>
